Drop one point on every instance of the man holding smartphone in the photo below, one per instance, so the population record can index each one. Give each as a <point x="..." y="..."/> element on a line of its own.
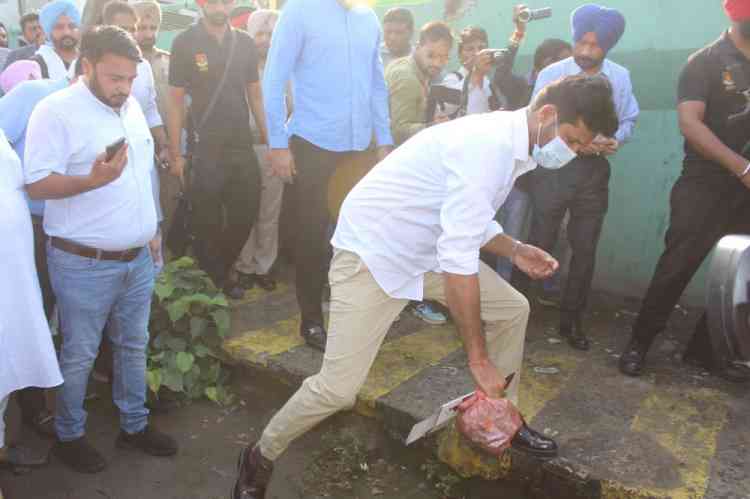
<point x="90" y="155"/>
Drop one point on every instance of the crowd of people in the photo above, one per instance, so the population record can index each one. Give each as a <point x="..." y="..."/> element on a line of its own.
<point x="392" y="183"/>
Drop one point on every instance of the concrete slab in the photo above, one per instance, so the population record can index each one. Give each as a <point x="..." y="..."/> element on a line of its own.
<point x="674" y="433"/>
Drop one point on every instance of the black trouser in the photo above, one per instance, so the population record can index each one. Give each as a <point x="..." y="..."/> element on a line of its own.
<point x="581" y="187"/>
<point x="706" y="204"/>
<point x="31" y="400"/>
<point x="315" y="166"/>
<point x="224" y="194"/>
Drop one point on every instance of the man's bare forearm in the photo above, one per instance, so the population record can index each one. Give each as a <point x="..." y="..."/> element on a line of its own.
<point x="57" y="186"/>
<point x="463" y="297"/>
<point x="175" y="119"/>
<point x="255" y="99"/>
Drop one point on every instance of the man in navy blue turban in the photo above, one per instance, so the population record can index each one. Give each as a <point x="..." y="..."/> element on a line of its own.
<point x="581" y="188"/>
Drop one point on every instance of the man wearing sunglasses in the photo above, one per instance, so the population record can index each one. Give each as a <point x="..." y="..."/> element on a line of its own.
<point x="217" y="66"/>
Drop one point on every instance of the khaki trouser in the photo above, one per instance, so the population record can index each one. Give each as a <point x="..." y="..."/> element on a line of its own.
<point x="360" y="316"/>
<point x="260" y="251"/>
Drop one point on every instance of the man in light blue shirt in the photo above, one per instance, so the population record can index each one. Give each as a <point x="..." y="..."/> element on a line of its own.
<point x="582" y="187"/>
<point x="330" y="51"/>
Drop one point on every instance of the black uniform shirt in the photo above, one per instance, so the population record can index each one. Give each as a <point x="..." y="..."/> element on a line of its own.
<point x="197" y="64"/>
<point x="705" y="78"/>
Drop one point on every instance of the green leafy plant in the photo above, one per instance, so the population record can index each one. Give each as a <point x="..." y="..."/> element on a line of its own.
<point x="189" y="318"/>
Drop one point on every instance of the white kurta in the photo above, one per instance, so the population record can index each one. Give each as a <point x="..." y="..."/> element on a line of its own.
<point x="27" y="356"/>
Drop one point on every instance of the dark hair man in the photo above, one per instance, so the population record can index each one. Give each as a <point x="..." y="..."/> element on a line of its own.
<point x="582" y="187"/>
<point x="711" y="198"/>
<point x="439" y="192"/>
<point x="60" y="20"/>
<point x="408" y="82"/>
<point x="31" y="30"/>
<point x="477" y="91"/>
<point x="409" y="79"/>
<point x="217" y="66"/>
<point x="322" y="45"/>
<point x="99" y="222"/>
<point x="26" y="51"/>
<point x="398" y="31"/>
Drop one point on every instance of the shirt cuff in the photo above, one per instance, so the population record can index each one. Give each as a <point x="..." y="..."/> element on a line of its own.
<point x="460" y="263"/>
<point x="492" y="230"/>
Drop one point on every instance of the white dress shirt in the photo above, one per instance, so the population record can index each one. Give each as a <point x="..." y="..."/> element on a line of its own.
<point x="479" y="96"/>
<point x="144" y="91"/>
<point x="430" y="205"/>
<point x="66" y="132"/>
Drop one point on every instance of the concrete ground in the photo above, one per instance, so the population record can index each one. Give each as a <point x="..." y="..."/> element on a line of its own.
<point x="347" y="457"/>
<point x="676" y="432"/>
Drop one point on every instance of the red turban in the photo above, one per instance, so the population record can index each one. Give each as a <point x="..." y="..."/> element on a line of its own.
<point x="737" y="10"/>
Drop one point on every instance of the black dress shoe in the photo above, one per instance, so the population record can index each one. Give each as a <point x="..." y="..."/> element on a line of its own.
<point x="633" y="358"/>
<point x="253" y="475"/>
<point x="265" y="282"/>
<point x="314" y="335"/>
<point x="575" y="335"/>
<point x="534" y="443"/>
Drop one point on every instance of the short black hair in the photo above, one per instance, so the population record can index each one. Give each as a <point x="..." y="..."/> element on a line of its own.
<point x="27" y="18"/>
<point x="582" y="97"/>
<point x="435" y="31"/>
<point x="472" y="34"/>
<point x="102" y="40"/>
<point x="116" y="7"/>
<point x="399" y="15"/>
<point x="549" y="48"/>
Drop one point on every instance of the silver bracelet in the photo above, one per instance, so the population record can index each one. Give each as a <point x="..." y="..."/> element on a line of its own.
<point x="745" y="172"/>
<point x="516" y="246"/>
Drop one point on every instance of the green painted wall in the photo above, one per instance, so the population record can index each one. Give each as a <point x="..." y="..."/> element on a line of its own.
<point x="659" y="37"/>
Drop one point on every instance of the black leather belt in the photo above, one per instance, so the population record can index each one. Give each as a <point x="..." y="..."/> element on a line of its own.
<point x="127" y="255"/>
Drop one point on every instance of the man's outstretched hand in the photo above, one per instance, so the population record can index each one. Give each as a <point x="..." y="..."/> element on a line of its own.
<point x="534" y="262"/>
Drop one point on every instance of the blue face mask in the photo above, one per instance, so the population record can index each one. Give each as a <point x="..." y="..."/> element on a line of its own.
<point x="555" y="154"/>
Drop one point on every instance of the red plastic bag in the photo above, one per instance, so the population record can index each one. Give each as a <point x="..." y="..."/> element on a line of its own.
<point x="490" y="424"/>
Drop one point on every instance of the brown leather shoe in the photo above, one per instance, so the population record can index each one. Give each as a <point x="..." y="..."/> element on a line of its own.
<point x="254" y="474"/>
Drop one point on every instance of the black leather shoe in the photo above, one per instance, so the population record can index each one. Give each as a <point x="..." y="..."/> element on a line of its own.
<point x="253" y="475"/>
<point x="79" y="455"/>
<point x="265" y="282"/>
<point x="575" y="335"/>
<point x="150" y="440"/>
<point x="534" y="443"/>
<point x="633" y="358"/>
<point x="314" y="335"/>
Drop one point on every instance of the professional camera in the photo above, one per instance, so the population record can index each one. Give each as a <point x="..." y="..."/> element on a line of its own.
<point x="527" y="15"/>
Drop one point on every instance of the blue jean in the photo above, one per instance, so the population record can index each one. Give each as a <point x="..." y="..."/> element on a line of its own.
<point x="90" y="294"/>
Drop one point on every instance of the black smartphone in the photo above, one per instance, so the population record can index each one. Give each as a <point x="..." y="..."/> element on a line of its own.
<point x="113" y="148"/>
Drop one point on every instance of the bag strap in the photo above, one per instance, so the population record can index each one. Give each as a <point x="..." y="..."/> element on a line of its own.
<point x="217" y="91"/>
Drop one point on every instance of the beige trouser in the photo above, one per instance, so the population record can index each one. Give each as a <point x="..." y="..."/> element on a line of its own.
<point x="360" y="316"/>
<point x="262" y="247"/>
